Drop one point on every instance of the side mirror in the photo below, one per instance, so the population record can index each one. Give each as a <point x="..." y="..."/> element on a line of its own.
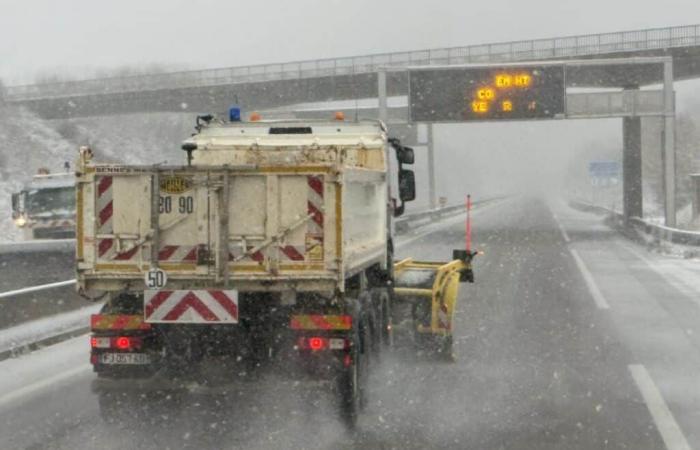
<point x="407" y="185"/>
<point x="405" y="155"/>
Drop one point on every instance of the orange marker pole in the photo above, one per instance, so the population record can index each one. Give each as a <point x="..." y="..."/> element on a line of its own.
<point x="469" y="223"/>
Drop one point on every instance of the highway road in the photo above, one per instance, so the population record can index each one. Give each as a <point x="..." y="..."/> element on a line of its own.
<point x="573" y="337"/>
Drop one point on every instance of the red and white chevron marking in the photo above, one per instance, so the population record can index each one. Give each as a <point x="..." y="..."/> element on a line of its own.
<point x="106" y="250"/>
<point x="235" y="251"/>
<point x="314" y="230"/>
<point x="315" y="204"/>
<point x="183" y="306"/>
<point x="292" y="253"/>
<point x="178" y="253"/>
<point x="104" y="207"/>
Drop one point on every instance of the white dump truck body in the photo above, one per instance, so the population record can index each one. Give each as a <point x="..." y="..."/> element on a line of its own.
<point x="262" y="207"/>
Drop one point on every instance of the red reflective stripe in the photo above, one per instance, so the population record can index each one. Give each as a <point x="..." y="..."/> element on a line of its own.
<point x="106" y="213"/>
<point x="104" y="246"/>
<point x="156" y="301"/>
<point x="120" y="322"/>
<point x="191" y="256"/>
<point x="96" y="320"/>
<point x="320" y="322"/>
<point x="166" y="252"/>
<point x="225" y="302"/>
<point x="317" y="215"/>
<point x="316" y="184"/>
<point x="292" y="253"/>
<point x="190" y="301"/>
<point x="125" y="256"/>
<point x="294" y="324"/>
<point x="104" y="184"/>
<point x="347" y="321"/>
<point x="257" y="256"/>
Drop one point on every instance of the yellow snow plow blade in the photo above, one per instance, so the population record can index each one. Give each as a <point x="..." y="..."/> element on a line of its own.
<point x="432" y="288"/>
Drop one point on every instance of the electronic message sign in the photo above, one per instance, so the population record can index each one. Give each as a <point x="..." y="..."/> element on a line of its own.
<point x="517" y="92"/>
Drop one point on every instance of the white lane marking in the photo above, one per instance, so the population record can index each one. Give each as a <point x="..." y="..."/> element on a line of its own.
<point x="668" y="427"/>
<point x="561" y="228"/>
<point x="43" y="384"/>
<point x="598" y="298"/>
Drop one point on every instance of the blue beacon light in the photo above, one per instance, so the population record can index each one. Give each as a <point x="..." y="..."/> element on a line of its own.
<point x="234" y="114"/>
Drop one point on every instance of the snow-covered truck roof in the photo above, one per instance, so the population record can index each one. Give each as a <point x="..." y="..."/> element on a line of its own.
<point x="51" y="181"/>
<point x="369" y="134"/>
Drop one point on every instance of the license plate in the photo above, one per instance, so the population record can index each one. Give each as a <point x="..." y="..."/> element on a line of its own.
<point x="125" y="358"/>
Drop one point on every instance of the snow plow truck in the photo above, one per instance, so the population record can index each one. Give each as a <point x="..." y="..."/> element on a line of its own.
<point x="272" y="244"/>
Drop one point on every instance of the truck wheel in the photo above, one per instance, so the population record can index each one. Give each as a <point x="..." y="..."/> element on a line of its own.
<point x="386" y="321"/>
<point x="352" y="381"/>
<point x="374" y="324"/>
<point x="348" y="382"/>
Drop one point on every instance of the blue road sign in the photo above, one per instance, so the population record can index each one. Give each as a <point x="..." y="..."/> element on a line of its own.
<point x="604" y="173"/>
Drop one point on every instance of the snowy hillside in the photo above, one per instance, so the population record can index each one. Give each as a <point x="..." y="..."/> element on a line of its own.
<point x="28" y="142"/>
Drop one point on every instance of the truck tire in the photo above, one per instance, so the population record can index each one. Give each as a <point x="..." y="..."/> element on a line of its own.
<point x="374" y="323"/>
<point x="382" y="336"/>
<point x="352" y="381"/>
<point x="385" y="318"/>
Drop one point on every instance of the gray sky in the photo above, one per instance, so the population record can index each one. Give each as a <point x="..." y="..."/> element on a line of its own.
<point x="80" y="36"/>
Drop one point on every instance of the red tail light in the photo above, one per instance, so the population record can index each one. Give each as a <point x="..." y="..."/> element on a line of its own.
<point x="119" y="343"/>
<point x="122" y="343"/>
<point x="317" y="343"/>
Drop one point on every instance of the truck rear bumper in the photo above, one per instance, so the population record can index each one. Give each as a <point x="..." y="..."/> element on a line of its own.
<point x="161" y="384"/>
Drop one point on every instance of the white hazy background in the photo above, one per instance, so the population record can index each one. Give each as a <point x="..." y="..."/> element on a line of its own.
<point x="46" y="39"/>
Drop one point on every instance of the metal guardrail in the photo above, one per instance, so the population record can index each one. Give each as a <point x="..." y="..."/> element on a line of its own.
<point x="656" y="233"/>
<point x="44" y="245"/>
<point x="536" y="49"/>
<point x="409" y="221"/>
<point x="41" y="287"/>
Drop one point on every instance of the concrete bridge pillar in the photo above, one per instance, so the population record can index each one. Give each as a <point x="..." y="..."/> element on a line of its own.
<point x="632" y="167"/>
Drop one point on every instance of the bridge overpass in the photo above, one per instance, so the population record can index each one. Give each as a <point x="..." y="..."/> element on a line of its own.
<point x="273" y="85"/>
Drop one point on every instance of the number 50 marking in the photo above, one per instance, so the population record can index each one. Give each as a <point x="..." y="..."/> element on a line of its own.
<point x="155" y="279"/>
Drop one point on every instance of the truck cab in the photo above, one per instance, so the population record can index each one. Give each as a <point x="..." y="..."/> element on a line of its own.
<point x="45" y="207"/>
